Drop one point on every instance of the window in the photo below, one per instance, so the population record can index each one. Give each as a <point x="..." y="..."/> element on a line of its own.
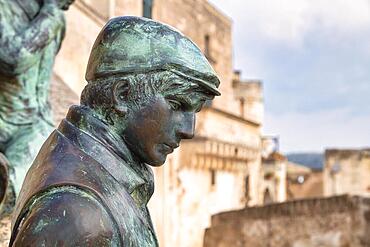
<point x="147" y="8"/>
<point x="241" y="107"/>
<point x="213" y="177"/>
<point x="246" y="192"/>
<point x="206" y="46"/>
<point x="207" y="49"/>
<point x="267" y="198"/>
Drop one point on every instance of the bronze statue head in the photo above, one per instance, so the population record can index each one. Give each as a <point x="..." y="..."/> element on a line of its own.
<point x="150" y="81"/>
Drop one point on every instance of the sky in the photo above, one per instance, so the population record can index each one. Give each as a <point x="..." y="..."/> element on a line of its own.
<point x="313" y="57"/>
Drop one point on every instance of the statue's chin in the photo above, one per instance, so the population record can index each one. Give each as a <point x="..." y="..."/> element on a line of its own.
<point x="158" y="162"/>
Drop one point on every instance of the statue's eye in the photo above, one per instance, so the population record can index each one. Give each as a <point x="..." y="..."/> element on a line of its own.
<point x="175" y="105"/>
<point x="198" y="108"/>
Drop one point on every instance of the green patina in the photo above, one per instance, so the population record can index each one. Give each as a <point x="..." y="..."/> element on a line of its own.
<point x="31" y="33"/>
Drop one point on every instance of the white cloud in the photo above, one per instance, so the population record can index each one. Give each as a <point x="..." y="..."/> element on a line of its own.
<point x="319" y="130"/>
<point x="346" y="15"/>
<point x="290" y="20"/>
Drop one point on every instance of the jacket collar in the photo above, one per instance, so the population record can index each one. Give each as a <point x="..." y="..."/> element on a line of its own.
<point x="30" y="8"/>
<point x="90" y="134"/>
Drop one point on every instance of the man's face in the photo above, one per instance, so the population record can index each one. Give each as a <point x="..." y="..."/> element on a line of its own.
<point x="156" y="129"/>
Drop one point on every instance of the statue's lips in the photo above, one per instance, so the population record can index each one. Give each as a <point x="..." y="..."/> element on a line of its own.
<point x="170" y="147"/>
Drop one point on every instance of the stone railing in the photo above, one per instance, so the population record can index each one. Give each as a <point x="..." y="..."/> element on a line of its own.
<point x="216" y="154"/>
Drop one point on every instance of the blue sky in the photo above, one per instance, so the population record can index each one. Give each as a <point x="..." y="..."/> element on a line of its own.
<point x="314" y="59"/>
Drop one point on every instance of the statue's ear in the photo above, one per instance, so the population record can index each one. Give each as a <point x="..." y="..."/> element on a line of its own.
<point x="121" y="90"/>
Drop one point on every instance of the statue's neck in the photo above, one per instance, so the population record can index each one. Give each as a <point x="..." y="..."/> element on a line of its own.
<point x="86" y="120"/>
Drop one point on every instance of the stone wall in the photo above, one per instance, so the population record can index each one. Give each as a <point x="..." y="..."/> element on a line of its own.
<point x="5" y="231"/>
<point x="342" y="221"/>
<point x="82" y="28"/>
<point x="347" y="171"/>
<point x="61" y="97"/>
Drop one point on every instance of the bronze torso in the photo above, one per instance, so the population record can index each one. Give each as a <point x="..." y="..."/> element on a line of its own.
<point x="75" y="168"/>
<point x="91" y="181"/>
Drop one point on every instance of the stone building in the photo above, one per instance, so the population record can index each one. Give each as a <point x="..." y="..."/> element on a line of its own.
<point x="274" y="172"/>
<point x="303" y="182"/>
<point x="272" y="187"/>
<point x="283" y="180"/>
<point x="347" y="171"/>
<point x="219" y="169"/>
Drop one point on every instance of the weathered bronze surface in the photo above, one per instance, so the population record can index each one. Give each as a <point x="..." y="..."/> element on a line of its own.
<point x="31" y="32"/>
<point x="91" y="181"/>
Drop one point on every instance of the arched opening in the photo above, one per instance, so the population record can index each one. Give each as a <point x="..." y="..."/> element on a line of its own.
<point x="267" y="198"/>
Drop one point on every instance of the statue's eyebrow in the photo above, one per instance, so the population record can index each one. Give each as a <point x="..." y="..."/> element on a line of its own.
<point x="185" y="99"/>
<point x="174" y="85"/>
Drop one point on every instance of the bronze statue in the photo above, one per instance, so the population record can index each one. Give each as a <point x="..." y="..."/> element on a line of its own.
<point x="31" y="32"/>
<point x="91" y="181"/>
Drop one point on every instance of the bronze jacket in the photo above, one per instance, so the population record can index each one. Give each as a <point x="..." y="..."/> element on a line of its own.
<point x="84" y="189"/>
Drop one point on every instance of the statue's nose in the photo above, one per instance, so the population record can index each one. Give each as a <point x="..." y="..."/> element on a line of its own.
<point x="186" y="131"/>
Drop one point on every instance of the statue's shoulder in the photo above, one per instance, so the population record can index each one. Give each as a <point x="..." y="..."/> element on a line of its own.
<point x="69" y="216"/>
